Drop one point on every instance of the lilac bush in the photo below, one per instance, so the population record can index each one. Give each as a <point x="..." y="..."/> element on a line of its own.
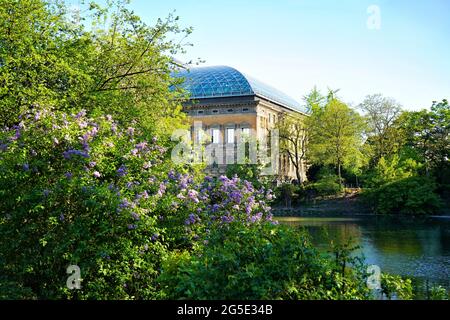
<point x="87" y="190"/>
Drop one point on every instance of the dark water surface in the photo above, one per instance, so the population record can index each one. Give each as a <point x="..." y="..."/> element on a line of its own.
<point x="418" y="248"/>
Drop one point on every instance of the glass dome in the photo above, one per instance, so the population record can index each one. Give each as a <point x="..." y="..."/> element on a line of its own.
<point x="224" y="81"/>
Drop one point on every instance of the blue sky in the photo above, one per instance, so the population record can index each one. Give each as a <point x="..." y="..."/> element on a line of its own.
<point x="295" y="45"/>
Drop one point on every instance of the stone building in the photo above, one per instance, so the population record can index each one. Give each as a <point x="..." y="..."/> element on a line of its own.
<point x="229" y="106"/>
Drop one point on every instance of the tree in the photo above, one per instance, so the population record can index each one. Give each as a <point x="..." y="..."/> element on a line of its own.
<point x="381" y="114"/>
<point x="293" y="141"/>
<point x="336" y="135"/>
<point x="427" y="132"/>
<point x="122" y="69"/>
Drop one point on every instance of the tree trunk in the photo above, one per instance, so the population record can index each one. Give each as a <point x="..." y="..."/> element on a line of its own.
<point x="339" y="174"/>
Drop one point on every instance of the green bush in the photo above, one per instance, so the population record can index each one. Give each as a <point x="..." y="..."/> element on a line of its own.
<point x="259" y="262"/>
<point x="287" y="194"/>
<point x="325" y="186"/>
<point x="413" y="195"/>
<point x="439" y="293"/>
<point x="87" y="191"/>
<point x="395" y="287"/>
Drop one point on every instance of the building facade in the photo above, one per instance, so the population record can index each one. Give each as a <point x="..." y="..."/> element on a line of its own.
<point x="226" y="107"/>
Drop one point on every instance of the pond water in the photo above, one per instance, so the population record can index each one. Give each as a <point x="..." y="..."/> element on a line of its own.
<point x="418" y="248"/>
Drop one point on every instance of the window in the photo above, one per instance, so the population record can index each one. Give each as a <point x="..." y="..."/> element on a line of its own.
<point x="200" y="111"/>
<point x="230" y="135"/>
<point x="215" y="134"/>
<point x="245" y="109"/>
<point x="230" y="110"/>
<point x="215" y="111"/>
<point x="200" y="136"/>
<point x="245" y="132"/>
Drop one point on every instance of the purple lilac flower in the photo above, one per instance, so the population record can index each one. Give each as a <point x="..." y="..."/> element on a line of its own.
<point x="129" y="185"/>
<point x="191" y="219"/>
<point x="130" y="131"/>
<point x="26" y="167"/>
<point x="108" y="117"/>
<point x="68" y="175"/>
<point x="122" y="171"/>
<point x="92" y="164"/>
<point x="80" y="114"/>
<point x="227" y="218"/>
<point x="124" y="204"/>
<point x="154" y="139"/>
<point x="82" y="124"/>
<point x="135" y="216"/>
<point x="132" y="226"/>
<point x="97" y="174"/>
<point x="146" y="165"/>
<point x="16" y="135"/>
<point x="172" y="175"/>
<point x="162" y="189"/>
<point x="46" y="192"/>
<point x="37" y="116"/>
<point x="141" y="195"/>
<point x="69" y="153"/>
<point x="3" y="147"/>
<point x="193" y="195"/>
<point x="181" y="196"/>
<point x="256" y="217"/>
<point x="141" y="146"/>
<point x="61" y="217"/>
<point x="236" y="196"/>
<point x="154" y="237"/>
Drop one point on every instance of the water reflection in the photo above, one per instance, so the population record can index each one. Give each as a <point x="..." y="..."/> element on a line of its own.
<point x="415" y="247"/>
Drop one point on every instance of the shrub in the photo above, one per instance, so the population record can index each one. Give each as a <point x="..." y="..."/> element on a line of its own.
<point x="74" y="192"/>
<point x="261" y="261"/>
<point x="414" y="195"/>
<point x="439" y="293"/>
<point x="287" y="194"/>
<point x="87" y="191"/>
<point x="325" y="186"/>
<point x="395" y="287"/>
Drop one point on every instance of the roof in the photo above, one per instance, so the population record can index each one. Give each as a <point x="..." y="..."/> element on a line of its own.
<point x="224" y="81"/>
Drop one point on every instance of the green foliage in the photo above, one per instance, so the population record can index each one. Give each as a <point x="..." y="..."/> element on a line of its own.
<point x="122" y="69"/>
<point x="439" y="293"/>
<point x="395" y="287"/>
<point x="383" y="135"/>
<point x="335" y="135"/>
<point x="391" y="170"/>
<point x="325" y="186"/>
<point x="86" y="191"/>
<point x="259" y="262"/>
<point x="65" y="202"/>
<point x="287" y="194"/>
<point x="411" y="196"/>
<point x="247" y="171"/>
